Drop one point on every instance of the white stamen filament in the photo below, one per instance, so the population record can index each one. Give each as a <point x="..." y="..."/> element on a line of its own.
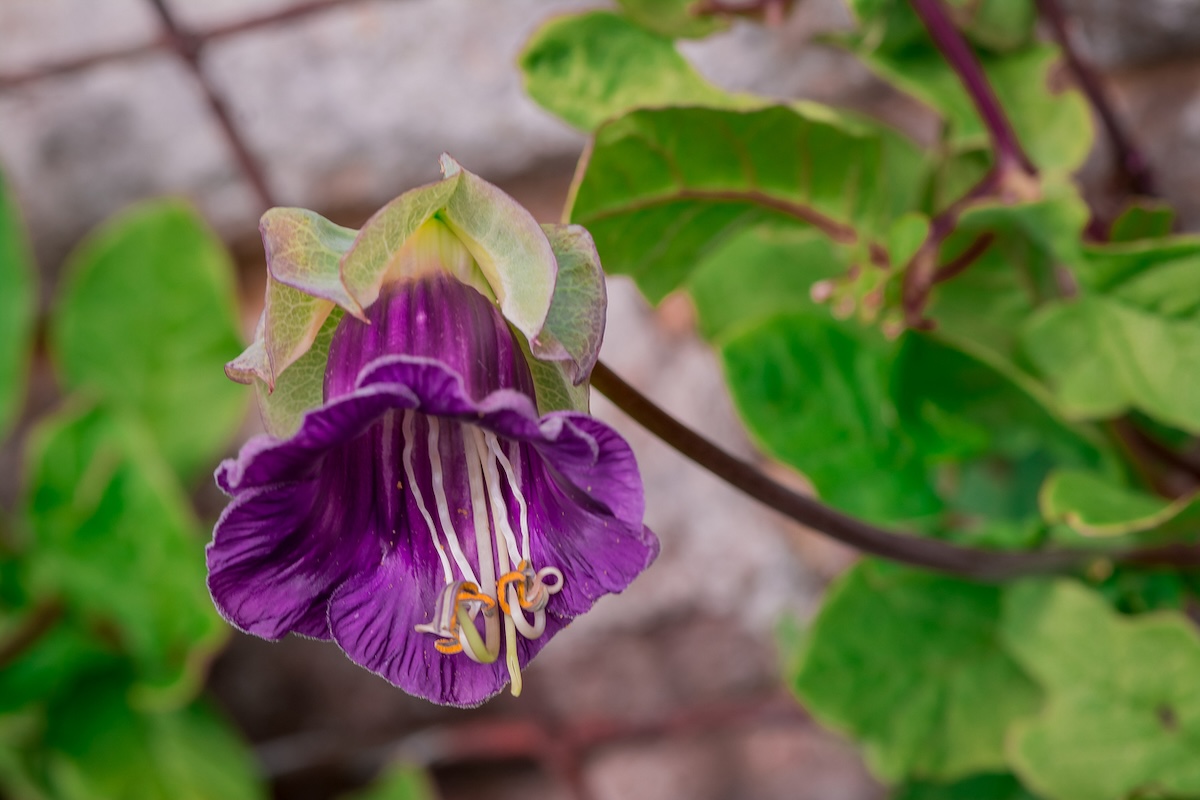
<point x="505" y="537"/>
<point x="406" y="428"/>
<point x="483" y="549"/>
<point x="443" y="507"/>
<point x="498" y="455"/>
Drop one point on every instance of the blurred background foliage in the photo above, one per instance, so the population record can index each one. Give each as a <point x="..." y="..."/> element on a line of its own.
<point x="1043" y="392"/>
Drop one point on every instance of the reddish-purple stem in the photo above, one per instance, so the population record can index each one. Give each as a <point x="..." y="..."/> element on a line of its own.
<point x="947" y="38"/>
<point x="1130" y="161"/>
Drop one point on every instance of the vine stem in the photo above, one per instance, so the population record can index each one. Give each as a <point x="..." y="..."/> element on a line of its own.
<point x="962" y="60"/>
<point x="1130" y="160"/>
<point x="954" y="559"/>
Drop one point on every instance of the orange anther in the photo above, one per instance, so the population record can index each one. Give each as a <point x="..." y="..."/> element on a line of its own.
<point x="502" y="589"/>
<point x="448" y="646"/>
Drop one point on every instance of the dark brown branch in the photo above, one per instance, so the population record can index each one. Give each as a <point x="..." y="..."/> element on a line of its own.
<point x="1130" y="161"/>
<point x="188" y="46"/>
<point x="68" y="66"/>
<point x="968" y="562"/>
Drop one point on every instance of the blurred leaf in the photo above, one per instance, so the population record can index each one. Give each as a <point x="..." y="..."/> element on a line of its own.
<point x="147" y="317"/>
<point x="51" y="662"/>
<point x="18" y="305"/>
<point x="674" y="18"/>
<point x="664" y="188"/>
<point x="1101" y="358"/>
<point x="1122" y="716"/>
<point x="909" y="664"/>
<point x="982" y="310"/>
<point x="906" y="236"/>
<point x="1095" y="506"/>
<point x="1107" y="266"/>
<point x="1142" y="219"/>
<point x="586" y="68"/>
<point x="995" y="24"/>
<point x="991" y="442"/>
<point x="815" y="394"/>
<point x="115" y="538"/>
<point x="979" y="787"/>
<point x="400" y="782"/>
<point x="890" y="26"/>
<point x="1054" y="128"/>
<point x="760" y="272"/>
<point x="101" y="748"/>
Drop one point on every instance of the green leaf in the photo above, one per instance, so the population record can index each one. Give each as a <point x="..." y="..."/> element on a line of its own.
<point x="662" y="189"/>
<point x="991" y="442"/>
<point x="1106" y="266"/>
<point x="115" y="538"/>
<point x="1142" y="219"/>
<point x="996" y="24"/>
<point x="18" y="305"/>
<point x="996" y="786"/>
<point x="760" y="272"/>
<point x="586" y="68"/>
<point x="1122" y="715"/>
<point x="99" y="747"/>
<point x="1096" y="506"/>
<point x="575" y="322"/>
<point x="1101" y="358"/>
<point x="1054" y="127"/>
<point x="909" y="664"/>
<point x="56" y="659"/>
<point x="673" y="18"/>
<point x="146" y="318"/>
<point x="815" y="394"/>
<point x="982" y="309"/>
<point x="400" y="782"/>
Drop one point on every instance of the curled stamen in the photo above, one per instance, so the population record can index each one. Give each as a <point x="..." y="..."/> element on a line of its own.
<point x="445" y="610"/>
<point x="455" y="600"/>
<point x="537" y="590"/>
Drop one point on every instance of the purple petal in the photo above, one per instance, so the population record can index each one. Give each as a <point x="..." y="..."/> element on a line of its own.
<point x="436" y="317"/>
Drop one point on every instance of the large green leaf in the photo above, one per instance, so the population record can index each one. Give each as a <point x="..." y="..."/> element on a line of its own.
<point x="147" y="318"/>
<point x="815" y="394"/>
<point x="909" y="664"/>
<point x="663" y="188"/>
<point x="990" y="441"/>
<point x="586" y="68"/>
<point x="18" y="305"/>
<point x="97" y="746"/>
<point x="115" y="538"/>
<point x="1096" y="506"/>
<point x="1101" y="358"/>
<point x="760" y="272"/>
<point x="1122" y="716"/>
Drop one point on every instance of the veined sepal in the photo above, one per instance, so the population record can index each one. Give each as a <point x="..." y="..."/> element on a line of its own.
<point x="546" y="281"/>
